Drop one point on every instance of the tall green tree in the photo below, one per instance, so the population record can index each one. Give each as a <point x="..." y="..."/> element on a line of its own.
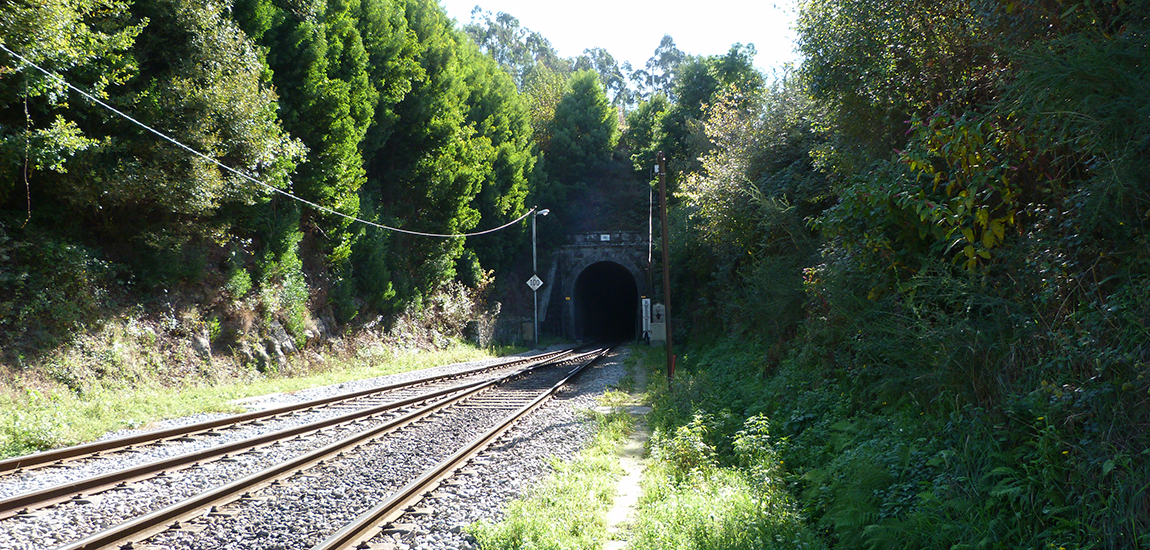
<point x="611" y="75"/>
<point x="317" y="57"/>
<point x="427" y="174"/>
<point x="585" y="131"/>
<point x="500" y="115"/>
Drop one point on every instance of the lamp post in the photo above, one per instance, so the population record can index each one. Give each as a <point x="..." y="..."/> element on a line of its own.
<point x="535" y="273"/>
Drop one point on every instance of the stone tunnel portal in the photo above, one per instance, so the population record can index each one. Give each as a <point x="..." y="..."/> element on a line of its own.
<point x="606" y="302"/>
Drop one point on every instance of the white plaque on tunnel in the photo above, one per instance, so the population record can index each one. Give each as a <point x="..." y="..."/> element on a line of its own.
<point x="534" y="282"/>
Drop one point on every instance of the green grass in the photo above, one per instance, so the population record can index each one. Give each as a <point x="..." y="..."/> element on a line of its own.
<point x="691" y="499"/>
<point x="721" y="510"/>
<point x="568" y="510"/>
<point x="34" y="420"/>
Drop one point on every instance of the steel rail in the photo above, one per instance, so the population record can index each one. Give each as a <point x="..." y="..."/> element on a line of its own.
<point x="370" y="523"/>
<point x="157" y="521"/>
<point x="76" y="452"/>
<point x="27" y="502"/>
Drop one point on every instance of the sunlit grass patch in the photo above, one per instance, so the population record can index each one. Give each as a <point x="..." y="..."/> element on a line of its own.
<point x="715" y="508"/>
<point x="719" y="511"/>
<point x="567" y="511"/>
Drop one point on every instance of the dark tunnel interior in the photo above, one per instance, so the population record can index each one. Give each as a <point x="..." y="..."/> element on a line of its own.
<point x="606" y="302"/>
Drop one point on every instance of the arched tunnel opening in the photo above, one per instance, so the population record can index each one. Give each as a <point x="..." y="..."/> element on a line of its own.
<point x="606" y="302"/>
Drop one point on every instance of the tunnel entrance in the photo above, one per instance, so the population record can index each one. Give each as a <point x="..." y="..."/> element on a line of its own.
<point x="606" y="302"/>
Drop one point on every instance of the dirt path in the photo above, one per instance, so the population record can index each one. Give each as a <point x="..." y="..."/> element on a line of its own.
<point x="633" y="462"/>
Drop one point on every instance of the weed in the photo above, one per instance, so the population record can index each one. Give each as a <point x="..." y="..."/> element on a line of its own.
<point x="567" y="510"/>
<point x="722" y="512"/>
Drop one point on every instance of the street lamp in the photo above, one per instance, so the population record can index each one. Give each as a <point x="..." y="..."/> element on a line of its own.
<point x="535" y="273"/>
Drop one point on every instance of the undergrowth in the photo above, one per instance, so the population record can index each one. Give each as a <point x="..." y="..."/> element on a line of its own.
<point x="567" y="511"/>
<point x="877" y="456"/>
<point x="704" y="490"/>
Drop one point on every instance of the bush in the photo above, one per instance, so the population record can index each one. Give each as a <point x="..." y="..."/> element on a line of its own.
<point x="34" y="426"/>
<point x="686" y="454"/>
<point x="690" y="502"/>
<point x="49" y="289"/>
<point x="283" y="288"/>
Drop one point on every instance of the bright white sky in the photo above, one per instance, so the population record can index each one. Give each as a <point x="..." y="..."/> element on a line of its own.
<point x="631" y="29"/>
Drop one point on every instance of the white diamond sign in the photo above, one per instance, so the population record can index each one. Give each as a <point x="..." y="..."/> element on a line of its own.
<point x="534" y="282"/>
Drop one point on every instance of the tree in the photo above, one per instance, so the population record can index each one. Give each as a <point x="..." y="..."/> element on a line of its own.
<point x="543" y="91"/>
<point x="426" y="175"/>
<point x="876" y="63"/>
<point x="501" y="116"/>
<point x="745" y="236"/>
<point x="644" y="133"/>
<point x="660" y="72"/>
<point x="584" y="131"/>
<point x="318" y="57"/>
<point x="85" y="43"/>
<point x="519" y="50"/>
<point x="197" y="79"/>
<point x="611" y="75"/>
<point x="700" y="82"/>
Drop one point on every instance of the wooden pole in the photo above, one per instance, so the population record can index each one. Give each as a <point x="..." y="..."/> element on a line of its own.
<point x="666" y="267"/>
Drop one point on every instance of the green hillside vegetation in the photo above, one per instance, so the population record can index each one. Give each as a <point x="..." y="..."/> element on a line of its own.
<point x="917" y="267"/>
<point x="911" y="275"/>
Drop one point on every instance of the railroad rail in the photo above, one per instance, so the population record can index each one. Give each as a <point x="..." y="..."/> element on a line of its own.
<point x="88" y="450"/>
<point x="370" y="523"/>
<point x="28" y="502"/>
<point x="412" y="409"/>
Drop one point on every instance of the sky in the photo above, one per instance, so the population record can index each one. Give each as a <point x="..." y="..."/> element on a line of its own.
<point x="631" y="29"/>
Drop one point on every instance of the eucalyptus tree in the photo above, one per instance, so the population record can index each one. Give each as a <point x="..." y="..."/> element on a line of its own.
<point x="519" y="50"/>
<point x="611" y="74"/>
<point x="659" y="73"/>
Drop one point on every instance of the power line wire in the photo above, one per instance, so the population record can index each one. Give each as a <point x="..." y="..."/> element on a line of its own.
<point x="246" y="176"/>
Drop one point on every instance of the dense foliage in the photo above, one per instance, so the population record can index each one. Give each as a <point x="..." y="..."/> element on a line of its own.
<point x="913" y="272"/>
<point x="377" y="109"/>
<point x="927" y="250"/>
<point x="232" y="232"/>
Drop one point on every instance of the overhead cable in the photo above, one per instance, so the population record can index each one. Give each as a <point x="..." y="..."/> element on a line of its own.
<point x="246" y="176"/>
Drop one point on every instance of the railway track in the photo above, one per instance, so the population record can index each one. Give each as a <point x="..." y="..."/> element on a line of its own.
<point x="486" y="397"/>
<point x="57" y="457"/>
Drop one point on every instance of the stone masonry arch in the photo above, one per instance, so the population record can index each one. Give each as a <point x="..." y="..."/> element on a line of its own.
<point x="626" y="249"/>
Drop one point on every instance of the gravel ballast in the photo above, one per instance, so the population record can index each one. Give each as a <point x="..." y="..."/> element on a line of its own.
<point x="301" y="511"/>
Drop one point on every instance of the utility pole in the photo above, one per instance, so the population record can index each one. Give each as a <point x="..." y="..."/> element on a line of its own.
<point x="662" y="167"/>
